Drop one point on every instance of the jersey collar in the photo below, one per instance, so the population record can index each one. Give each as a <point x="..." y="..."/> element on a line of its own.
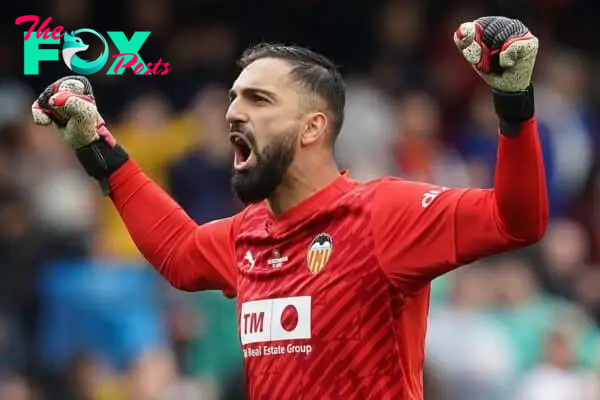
<point x="303" y="210"/>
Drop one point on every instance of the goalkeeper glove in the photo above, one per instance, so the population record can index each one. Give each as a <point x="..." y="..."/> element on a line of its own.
<point x="503" y="52"/>
<point x="69" y="105"/>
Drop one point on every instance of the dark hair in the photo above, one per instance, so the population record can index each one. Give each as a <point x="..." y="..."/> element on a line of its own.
<point x="314" y="71"/>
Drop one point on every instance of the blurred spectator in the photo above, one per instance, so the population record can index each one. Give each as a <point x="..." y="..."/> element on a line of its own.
<point x="558" y="377"/>
<point x="15" y="387"/>
<point x="420" y="153"/>
<point x="564" y="256"/>
<point x="402" y="50"/>
<point x="478" y="139"/>
<point x="525" y="312"/>
<point x="565" y="76"/>
<point x="102" y="318"/>
<point x="366" y="136"/>
<point x="15" y="100"/>
<point x="447" y="77"/>
<point x="199" y="179"/>
<point x="561" y="109"/>
<point x="469" y="352"/>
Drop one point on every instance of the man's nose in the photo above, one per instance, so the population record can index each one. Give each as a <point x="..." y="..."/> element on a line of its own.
<point x="235" y="113"/>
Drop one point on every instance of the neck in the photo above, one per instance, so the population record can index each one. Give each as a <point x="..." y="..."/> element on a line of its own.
<point x="300" y="183"/>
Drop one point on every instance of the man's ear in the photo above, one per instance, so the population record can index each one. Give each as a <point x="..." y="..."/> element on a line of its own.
<point x="314" y="128"/>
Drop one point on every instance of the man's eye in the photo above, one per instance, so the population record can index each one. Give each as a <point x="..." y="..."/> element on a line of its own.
<point x="260" y="99"/>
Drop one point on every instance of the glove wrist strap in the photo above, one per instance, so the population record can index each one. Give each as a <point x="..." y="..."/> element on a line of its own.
<point x="513" y="109"/>
<point x="100" y="160"/>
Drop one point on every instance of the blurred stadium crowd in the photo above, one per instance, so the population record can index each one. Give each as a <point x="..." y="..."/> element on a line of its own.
<point x="83" y="317"/>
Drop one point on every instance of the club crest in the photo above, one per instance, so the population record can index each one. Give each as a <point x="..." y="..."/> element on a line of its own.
<point x="319" y="252"/>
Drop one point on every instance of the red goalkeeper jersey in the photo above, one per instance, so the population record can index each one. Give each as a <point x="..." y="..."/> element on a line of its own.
<point x="333" y="295"/>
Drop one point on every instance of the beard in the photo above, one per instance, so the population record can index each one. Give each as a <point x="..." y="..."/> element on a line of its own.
<point x="261" y="180"/>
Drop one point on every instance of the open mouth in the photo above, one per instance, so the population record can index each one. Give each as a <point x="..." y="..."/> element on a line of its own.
<point x="243" y="154"/>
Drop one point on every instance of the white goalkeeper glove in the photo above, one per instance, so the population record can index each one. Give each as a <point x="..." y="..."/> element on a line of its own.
<point x="502" y="51"/>
<point x="69" y="105"/>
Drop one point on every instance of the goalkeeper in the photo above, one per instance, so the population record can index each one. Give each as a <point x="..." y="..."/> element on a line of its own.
<point x="332" y="276"/>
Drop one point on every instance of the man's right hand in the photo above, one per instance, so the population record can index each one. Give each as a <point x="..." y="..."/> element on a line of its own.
<point x="69" y="105"/>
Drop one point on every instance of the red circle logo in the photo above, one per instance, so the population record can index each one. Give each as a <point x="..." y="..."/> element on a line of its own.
<point x="289" y="318"/>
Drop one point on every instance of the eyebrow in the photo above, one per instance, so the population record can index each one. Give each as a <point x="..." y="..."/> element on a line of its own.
<point x="249" y="91"/>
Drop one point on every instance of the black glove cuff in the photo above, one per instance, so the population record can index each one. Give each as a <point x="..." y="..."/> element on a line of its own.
<point x="513" y="109"/>
<point x="100" y="160"/>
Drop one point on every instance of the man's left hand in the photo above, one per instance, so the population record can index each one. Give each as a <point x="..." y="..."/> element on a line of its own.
<point x="501" y="50"/>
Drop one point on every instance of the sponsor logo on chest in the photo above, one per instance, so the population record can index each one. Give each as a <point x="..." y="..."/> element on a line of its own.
<point x="275" y="320"/>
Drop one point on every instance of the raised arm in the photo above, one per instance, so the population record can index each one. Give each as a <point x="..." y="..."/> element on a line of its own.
<point x="515" y="212"/>
<point x="189" y="256"/>
<point x="422" y="231"/>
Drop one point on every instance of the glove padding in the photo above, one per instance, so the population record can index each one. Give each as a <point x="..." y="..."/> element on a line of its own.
<point x="69" y="104"/>
<point x="501" y="50"/>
